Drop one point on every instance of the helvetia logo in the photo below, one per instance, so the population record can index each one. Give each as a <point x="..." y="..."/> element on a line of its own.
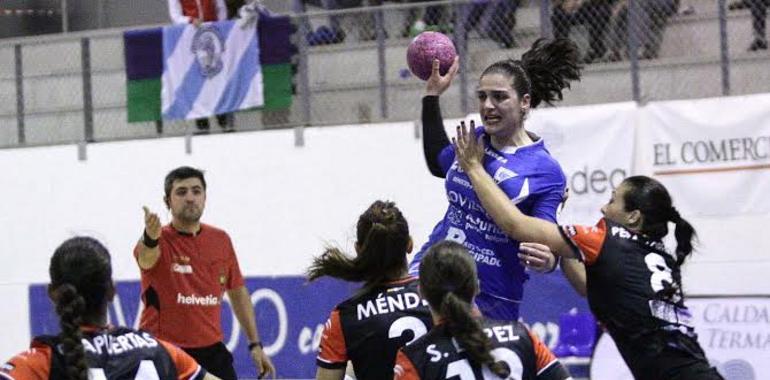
<point x="209" y="300"/>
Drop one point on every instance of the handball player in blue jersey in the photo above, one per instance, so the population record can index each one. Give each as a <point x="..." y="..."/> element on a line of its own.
<point x="517" y="160"/>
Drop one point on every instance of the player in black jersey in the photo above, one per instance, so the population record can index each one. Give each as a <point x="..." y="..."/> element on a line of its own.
<point x="463" y="345"/>
<point x="634" y="283"/>
<point x="87" y="348"/>
<point x="386" y="313"/>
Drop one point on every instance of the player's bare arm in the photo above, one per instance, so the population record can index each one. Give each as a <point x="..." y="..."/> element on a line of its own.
<point x="575" y="272"/>
<point x="330" y="374"/>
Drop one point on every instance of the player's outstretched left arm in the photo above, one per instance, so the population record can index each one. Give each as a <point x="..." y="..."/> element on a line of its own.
<point x="575" y="272"/>
<point x="330" y="374"/>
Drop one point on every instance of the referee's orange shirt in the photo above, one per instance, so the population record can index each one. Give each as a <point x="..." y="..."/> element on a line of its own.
<point x="182" y="293"/>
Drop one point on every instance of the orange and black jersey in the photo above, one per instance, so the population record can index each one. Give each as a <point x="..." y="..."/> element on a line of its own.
<point x="437" y="356"/>
<point x="111" y="354"/>
<point x="634" y="289"/>
<point x="369" y="328"/>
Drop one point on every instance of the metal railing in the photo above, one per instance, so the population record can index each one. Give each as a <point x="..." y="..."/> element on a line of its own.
<point x="70" y="88"/>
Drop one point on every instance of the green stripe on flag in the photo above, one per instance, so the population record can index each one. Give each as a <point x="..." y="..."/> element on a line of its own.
<point x="276" y="81"/>
<point x="143" y="100"/>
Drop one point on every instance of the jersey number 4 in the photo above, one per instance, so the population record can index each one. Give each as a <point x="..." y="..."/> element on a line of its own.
<point x="146" y="371"/>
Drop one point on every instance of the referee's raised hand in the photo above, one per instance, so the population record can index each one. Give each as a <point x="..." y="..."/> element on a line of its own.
<point x="151" y="224"/>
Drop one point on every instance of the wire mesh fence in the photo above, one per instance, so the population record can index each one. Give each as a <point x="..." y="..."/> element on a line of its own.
<point x="8" y="119"/>
<point x="373" y="82"/>
<point x="351" y="65"/>
<point x="53" y="92"/>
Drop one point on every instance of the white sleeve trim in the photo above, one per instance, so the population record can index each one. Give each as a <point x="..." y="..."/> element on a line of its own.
<point x="553" y="362"/>
<point x="196" y="373"/>
<point x="6" y="376"/>
<point x="325" y="361"/>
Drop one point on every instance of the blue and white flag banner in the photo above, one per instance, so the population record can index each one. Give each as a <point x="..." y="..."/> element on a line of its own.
<point x="210" y="70"/>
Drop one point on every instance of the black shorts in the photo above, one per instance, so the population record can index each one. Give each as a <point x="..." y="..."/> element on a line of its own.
<point x="216" y="359"/>
<point x="670" y="356"/>
<point x="697" y="371"/>
<point x="690" y="364"/>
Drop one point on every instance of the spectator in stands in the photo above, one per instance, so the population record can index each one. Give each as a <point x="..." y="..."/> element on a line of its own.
<point x="619" y="34"/>
<point x="366" y="32"/>
<point x="197" y="12"/>
<point x="497" y="19"/>
<point x="758" y="10"/>
<point x="653" y="18"/>
<point x="595" y="14"/>
<point x="418" y="21"/>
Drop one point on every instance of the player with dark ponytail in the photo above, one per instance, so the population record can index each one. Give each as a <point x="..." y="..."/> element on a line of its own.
<point x="654" y="203"/>
<point x="382" y="243"/>
<point x="387" y="313"/>
<point x="507" y="91"/>
<point x="634" y="283"/>
<point x="504" y="348"/>
<point x="70" y="307"/>
<point x="81" y="288"/>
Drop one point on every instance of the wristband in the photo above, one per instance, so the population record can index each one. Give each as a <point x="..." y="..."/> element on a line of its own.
<point x="255" y="344"/>
<point x="148" y="241"/>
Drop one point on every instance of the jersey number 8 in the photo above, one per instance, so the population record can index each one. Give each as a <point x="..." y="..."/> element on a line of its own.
<point x="660" y="271"/>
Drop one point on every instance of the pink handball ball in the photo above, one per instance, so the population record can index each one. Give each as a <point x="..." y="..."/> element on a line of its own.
<point x="426" y="47"/>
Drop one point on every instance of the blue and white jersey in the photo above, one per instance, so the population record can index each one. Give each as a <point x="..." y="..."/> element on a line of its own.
<point x="534" y="181"/>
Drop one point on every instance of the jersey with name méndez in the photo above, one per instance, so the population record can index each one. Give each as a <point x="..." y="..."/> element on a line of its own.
<point x="113" y="353"/>
<point x="634" y="289"/>
<point x="438" y="356"/>
<point x="369" y="328"/>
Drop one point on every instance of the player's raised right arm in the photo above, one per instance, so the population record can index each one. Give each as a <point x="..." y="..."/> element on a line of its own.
<point x="148" y="249"/>
<point x="434" y="138"/>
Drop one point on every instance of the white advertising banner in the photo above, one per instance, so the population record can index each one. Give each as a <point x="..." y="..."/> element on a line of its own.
<point x="734" y="333"/>
<point x="713" y="155"/>
<point x="594" y="145"/>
